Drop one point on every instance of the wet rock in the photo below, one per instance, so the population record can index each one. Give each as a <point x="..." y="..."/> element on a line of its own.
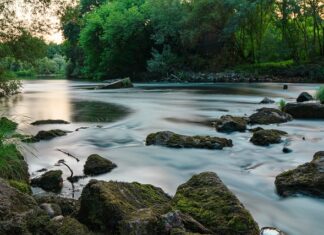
<point x="209" y="201"/>
<point x="285" y="87"/>
<point x="230" y="124"/>
<point x="303" y="97"/>
<point x="76" y="178"/>
<point x="49" y="181"/>
<point x="269" y="116"/>
<point x="305" y="110"/>
<point x="68" y="206"/>
<point x="170" y="139"/>
<point x="96" y="165"/>
<point x="49" y="121"/>
<point x="307" y="179"/>
<point x="122" y="83"/>
<point x="286" y="150"/>
<point x="51" y="209"/>
<point x="256" y="129"/>
<point x="271" y="231"/>
<point x="115" y="207"/>
<point x="47" y="135"/>
<point x="66" y="226"/>
<point x="267" y="137"/>
<point x="41" y="170"/>
<point x="267" y="100"/>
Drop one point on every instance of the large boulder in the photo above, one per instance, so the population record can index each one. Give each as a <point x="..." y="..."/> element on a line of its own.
<point x="211" y="203"/>
<point x="118" y="84"/>
<point x="228" y="124"/>
<point x="49" y="121"/>
<point x="303" y="97"/>
<point x="267" y="137"/>
<point x="49" y="181"/>
<point x="117" y="207"/>
<point x="269" y="116"/>
<point x="96" y="165"/>
<point x="307" y="179"/>
<point x="305" y="110"/>
<point x="170" y="139"/>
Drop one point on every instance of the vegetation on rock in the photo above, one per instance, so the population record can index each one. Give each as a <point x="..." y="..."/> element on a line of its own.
<point x="96" y="165"/>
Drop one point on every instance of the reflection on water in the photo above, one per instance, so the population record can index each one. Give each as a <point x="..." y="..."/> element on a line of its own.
<point x="248" y="170"/>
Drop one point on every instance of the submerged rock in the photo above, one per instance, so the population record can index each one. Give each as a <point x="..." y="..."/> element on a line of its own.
<point x="303" y="97"/>
<point x="96" y="165"/>
<point x="47" y="135"/>
<point x="269" y="116"/>
<point x="49" y="181"/>
<point x="49" y="121"/>
<point x="117" y="207"/>
<point x="267" y="137"/>
<point x="230" y="124"/>
<point x="305" y="110"/>
<point x="211" y="203"/>
<point x="170" y="139"/>
<point x="307" y="179"/>
<point x="267" y="100"/>
<point x="122" y="83"/>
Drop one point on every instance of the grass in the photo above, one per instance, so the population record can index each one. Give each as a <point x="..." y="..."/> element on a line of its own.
<point x="282" y="104"/>
<point x="320" y="94"/>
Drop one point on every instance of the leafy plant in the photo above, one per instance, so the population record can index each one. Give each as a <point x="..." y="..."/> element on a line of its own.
<point x="282" y="104"/>
<point x="320" y="94"/>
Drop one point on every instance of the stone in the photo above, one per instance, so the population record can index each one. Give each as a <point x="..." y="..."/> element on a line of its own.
<point x="228" y="124"/>
<point x="305" y="110"/>
<point x="211" y="203"/>
<point x="267" y="137"/>
<point x="285" y="87"/>
<point x="51" y="209"/>
<point x="266" y="116"/>
<point x="271" y="231"/>
<point x="66" y="226"/>
<point x="256" y="129"/>
<point x="96" y="165"/>
<point x="47" y="135"/>
<point x="49" y="181"/>
<point x="286" y="150"/>
<point x="303" y="97"/>
<point x="116" y="207"/>
<point x="173" y="140"/>
<point x="49" y="121"/>
<point x="122" y="83"/>
<point x="306" y="179"/>
<point x="267" y="100"/>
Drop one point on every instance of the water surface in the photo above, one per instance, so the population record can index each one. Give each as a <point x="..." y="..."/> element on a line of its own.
<point x="118" y="122"/>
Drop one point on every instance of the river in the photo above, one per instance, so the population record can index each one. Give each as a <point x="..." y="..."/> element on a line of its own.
<point x="118" y="122"/>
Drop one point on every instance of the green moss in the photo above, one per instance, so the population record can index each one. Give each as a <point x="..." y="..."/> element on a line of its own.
<point x="22" y="186"/>
<point x="12" y="164"/>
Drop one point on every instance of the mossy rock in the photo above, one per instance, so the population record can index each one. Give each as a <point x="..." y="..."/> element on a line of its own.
<point x="67" y="226"/>
<point x="96" y="165"/>
<point x="22" y="186"/>
<point x="229" y="124"/>
<point x="208" y="200"/>
<point x="265" y="116"/>
<point x="12" y="164"/>
<point x="47" y="135"/>
<point x="173" y="140"/>
<point x="49" y="121"/>
<point x="49" y="181"/>
<point x="109" y="207"/>
<point x="267" y="137"/>
<point x="307" y="179"/>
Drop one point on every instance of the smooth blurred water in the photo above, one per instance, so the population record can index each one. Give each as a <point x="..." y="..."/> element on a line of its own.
<point x="120" y="120"/>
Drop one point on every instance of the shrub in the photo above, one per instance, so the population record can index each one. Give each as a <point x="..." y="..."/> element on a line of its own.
<point x="282" y="104"/>
<point x="320" y="94"/>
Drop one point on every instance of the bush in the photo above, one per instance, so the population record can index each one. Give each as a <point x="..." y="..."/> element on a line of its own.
<point x="282" y="104"/>
<point x="162" y="63"/>
<point x="320" y="94"/>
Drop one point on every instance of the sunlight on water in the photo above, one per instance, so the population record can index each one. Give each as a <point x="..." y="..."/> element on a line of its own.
<point x="118" y="122"/>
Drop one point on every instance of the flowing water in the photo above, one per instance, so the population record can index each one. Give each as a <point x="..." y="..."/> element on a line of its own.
<point x="118" y="122"/>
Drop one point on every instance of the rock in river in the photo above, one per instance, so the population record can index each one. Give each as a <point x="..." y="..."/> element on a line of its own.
<point x="305" y="110"/>
<point x="96" y="165"/>
<point x="49" y="181"/>
<point x="269" y="116"/>
<point x="303" y="97"/>
<point x="49" y="121"/>
<point x="122" y="83"/>
<point x="267" y="137"/>
<point x="170" y="139"/>
<point x="210" y="202"/>
<point x="47" y="135"/>
<point x="267" y="100"/>
<point x="307" y="179"/>
<point x="117" y="207"/>
<point x="228" y="124"/>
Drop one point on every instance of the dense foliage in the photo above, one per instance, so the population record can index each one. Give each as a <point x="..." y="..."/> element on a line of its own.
<point x="125" y="37"/>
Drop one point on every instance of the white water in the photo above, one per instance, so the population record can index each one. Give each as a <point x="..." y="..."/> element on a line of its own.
<point x="248" y="170"/>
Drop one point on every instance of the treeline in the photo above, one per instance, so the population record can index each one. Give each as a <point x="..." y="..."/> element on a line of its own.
<point x="107" y="39"/>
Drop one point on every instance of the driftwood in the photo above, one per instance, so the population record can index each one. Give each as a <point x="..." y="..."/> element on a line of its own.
<point x="68" y="154"/>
